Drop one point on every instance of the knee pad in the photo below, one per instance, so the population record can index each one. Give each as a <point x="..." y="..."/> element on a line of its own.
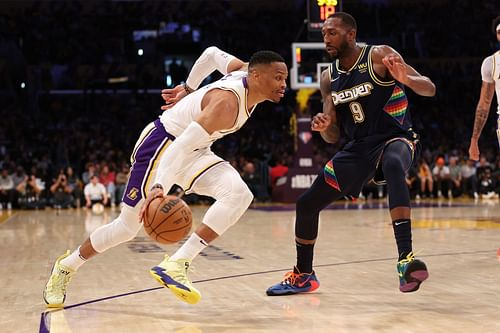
<point x="232" y="197"/>
<point x="124" y="228"/>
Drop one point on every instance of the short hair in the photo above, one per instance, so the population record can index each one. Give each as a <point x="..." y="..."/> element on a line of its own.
<point x="264" y="57"/>
<point x="494" y="24"/>
<point x="346" y="18"/>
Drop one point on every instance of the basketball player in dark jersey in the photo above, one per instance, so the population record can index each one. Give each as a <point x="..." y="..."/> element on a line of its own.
<point x="364" y="96"/>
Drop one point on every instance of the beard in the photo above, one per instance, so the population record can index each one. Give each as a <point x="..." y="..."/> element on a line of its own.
<point x="339" y="52"/>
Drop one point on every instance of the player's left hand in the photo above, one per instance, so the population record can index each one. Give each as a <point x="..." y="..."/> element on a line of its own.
<point x="320" y="122"/>
<point x="396" y="66"/>
<point x="153" y="194"/>
<point x="172" y="96"/>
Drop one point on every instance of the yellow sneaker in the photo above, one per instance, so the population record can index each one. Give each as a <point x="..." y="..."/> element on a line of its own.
<point x="55" y="290"/>
<point x="173" y="275"/>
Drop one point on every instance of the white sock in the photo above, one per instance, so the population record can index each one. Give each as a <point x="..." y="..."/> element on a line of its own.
<point x="74" y="260"/>
<point x="193" y="246"/>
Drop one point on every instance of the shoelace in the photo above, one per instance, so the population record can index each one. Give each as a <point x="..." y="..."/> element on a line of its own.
<point x="410" y="257"/>
<point x="180" y="274"/>
<point x="290" y="278"/>
<point x="60" y="282"/>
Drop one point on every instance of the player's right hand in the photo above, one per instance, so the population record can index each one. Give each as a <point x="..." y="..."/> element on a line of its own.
<point x="320" y="122"/>
<point x="172" y="96"/>
<point x="153" y="194"/>
<point x="474" y="150"/>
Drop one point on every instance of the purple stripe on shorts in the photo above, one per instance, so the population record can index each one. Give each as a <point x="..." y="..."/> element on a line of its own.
<point x="144" y="156"/>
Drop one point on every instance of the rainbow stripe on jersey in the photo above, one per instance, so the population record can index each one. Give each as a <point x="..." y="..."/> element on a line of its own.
<point x="397" y="104"/>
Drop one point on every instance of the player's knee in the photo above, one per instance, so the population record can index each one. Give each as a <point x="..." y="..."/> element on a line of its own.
<point x="246" y="196"/>
<point x="124" y="228"/>
<point x="305" y="205"/>
<point x="392" y="165"/>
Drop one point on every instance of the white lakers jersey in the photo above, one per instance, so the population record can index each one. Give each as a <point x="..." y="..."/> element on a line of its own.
<point x="490" y="72"/>
<point x="176" y="119"/>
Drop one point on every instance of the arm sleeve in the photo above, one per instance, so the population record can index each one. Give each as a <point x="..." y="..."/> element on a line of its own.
<point x="487" y="70"/>
<point x="211" y="59"/>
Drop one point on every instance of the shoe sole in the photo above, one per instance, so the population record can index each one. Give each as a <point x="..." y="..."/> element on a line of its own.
<point x="417" y="278"/>
<point x="182" y="294"/>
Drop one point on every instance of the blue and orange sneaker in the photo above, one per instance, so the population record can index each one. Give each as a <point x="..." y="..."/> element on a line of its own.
<point x="294" y="283"/>
<point x="412" y="272"/>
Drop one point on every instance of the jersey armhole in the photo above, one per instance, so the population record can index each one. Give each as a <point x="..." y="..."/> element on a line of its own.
<point x="238" y="113"/>
<point x="374" y="75"/>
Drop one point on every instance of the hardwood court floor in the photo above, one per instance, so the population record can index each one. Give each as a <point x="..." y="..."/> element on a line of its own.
<point x="355" y="262"/>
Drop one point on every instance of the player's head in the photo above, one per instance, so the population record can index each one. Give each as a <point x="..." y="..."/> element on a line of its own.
<point x="495" y="26"/>
<point x="267" y="69"/>
<point x="339" y="33"/>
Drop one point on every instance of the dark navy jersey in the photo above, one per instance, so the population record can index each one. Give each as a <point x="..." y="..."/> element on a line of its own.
<point x="368" y="107"/>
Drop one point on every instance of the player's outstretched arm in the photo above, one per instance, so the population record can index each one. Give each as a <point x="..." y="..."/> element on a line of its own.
<point x="210" y="60"/>
<point x="482" y="111"/>
<point x="399" y="70"/>
<point x="326" y="122"/>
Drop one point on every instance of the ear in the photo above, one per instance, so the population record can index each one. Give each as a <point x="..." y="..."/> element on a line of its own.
<point x="351" y="35"/>
<point x="254" y="72"/>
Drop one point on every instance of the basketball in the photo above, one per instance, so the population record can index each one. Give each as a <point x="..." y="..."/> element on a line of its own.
<point x="167" y="219"/>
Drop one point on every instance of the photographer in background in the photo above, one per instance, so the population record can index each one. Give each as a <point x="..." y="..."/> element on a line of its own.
<point x="61" y="192"/>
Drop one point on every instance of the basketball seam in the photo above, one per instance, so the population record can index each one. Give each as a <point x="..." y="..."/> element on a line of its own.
<point x="156" y="211"/>
<point x="166" y="217"/>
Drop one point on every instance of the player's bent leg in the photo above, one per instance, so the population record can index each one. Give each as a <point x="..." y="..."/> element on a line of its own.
<point x="308" y="207"/>
<point x="233" y="197"/>
<point x="122" y="229"/>
<point x="396" y="160"/>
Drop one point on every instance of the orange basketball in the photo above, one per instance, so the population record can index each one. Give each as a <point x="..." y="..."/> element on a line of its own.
<point x="167" y="219"/>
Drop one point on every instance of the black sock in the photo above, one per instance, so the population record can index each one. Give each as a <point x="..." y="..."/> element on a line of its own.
<point x="304" y="257"/>
<point x="402" y="233"/>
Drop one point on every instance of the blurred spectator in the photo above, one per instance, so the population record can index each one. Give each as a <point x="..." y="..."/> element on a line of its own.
<point x="254" y="182"/>
<point x="277" y="171"/>
<point x="7" y="191"/>
<point x="61" y="192"/>
<point x="95" y="192"/>
<point x="18" y="176"/>
<point x="75" y="186"/>
<point x="425" y="177"/>
<point x="469" y="179"/>
<point x="441" y="175"/>
<point x="30" y="192"/>
<point x="107" y="178"/>
<point x="413" y="182"/>
<point x="90" y="171"/>
<point x="121" y="182"/>
<point x="487" y="185"/>
<point x="455" y="177"/>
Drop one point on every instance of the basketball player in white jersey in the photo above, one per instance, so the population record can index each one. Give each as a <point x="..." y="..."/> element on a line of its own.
<point x="175" y="149"/>
<point x="490" y="73"/>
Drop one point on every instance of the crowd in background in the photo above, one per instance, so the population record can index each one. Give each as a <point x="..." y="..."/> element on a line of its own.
<point x="50" y="139"/>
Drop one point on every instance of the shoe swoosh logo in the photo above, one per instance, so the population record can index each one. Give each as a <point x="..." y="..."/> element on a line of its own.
<point x="302" y="284"/>
<point x="398" y="223"/>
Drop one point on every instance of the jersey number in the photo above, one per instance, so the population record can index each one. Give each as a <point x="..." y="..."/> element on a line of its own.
<point x="357" y="112"/>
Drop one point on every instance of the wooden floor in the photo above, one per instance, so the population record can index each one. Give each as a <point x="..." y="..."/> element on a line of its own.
<point x="355" y="262"/>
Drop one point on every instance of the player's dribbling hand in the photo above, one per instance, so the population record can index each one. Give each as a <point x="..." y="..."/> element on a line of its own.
<point x="172" y="96"/>
<point x="396" y="66"/>
<point x="153" y="194"/>
<point x="320" y="122"/>
<point x="474" y="150"/>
